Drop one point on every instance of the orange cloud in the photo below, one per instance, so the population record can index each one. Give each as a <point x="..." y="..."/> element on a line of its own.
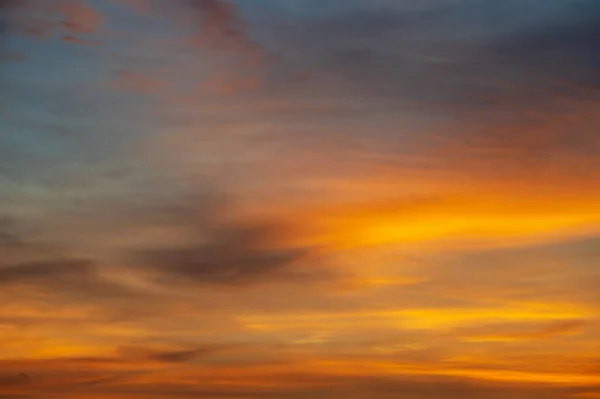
<point x="496" y="218"/>
<point x="75" y="40"/>
<point x="130" y="80"/>
<point x="388" y="368"/>
<point x="80" y="17"/>
<point x="221" y="21"/>
<point x="569" y="327"/>
<point x="419" y="318"/>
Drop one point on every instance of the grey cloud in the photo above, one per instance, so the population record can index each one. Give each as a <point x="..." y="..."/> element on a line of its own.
<point x="27" y="258"/>
<point x="6" y="27"/>
<point x="516" y="79"/>
<point x="222" y="22"/>
<point x="68" y="279"/>
<point x="5" y="7"/>
<point x="7" y="239"/>
<point x="46" y="271"/>
<point x="230" y="255"/>
<point x="172" y="356"/>
<point x="450" y="53"/>
<point x="205" y="242"/>
<point x="8" y="235"/>
<point x="565" y="50"/>
<point x="178" y="356"/>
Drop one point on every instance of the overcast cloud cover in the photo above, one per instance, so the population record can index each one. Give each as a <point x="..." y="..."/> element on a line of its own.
<point x="299" y="199"/>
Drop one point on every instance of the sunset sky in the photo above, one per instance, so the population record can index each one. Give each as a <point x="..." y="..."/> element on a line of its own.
<point x="299" y="199"/>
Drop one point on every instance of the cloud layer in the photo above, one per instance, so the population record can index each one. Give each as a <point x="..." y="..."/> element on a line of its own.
<point x="299" y="199"/>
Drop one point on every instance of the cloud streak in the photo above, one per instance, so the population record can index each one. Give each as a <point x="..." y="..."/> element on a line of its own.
<point x="50" y="270"/>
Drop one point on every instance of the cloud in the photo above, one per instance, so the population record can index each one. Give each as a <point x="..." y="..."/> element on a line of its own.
<point x="554" y="330"/>
<point x="224" y="31"/>
<point x="14" y="380"/>
<point x="172" y="356"/>
<point x="426" y="388"/>
<point x="128" y="261"/>
<point x="188" y="238"/>
<point x="76" y="40"/>
<point x="140" y="6"/>
<point x="238" y="254"/>
<point x="221" y="21"/>
<point x="12" y="57"/>
<point x="496" y="73"/>
<point x="97" y="378"/>
<point x="62" y="279"/>
<point x="462" y="86"/>
<point x="80" y="17"/>
<point x="588" y="394"/>
<point x="8" y="237"/>
<point x="553" y="272"/>
<point x="486" y="216"/>
<point x="40" y="19"/>
<point x="563" y="49"/>
<point x="130" y="80"/>
<point x="46" y="271"/>
<point x="5" y="6"/>
<point x="178" y="356"/>
<point x="7" y="26"/>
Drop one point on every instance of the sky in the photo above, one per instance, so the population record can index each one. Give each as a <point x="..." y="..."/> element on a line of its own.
<point x="299" y="199"/>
